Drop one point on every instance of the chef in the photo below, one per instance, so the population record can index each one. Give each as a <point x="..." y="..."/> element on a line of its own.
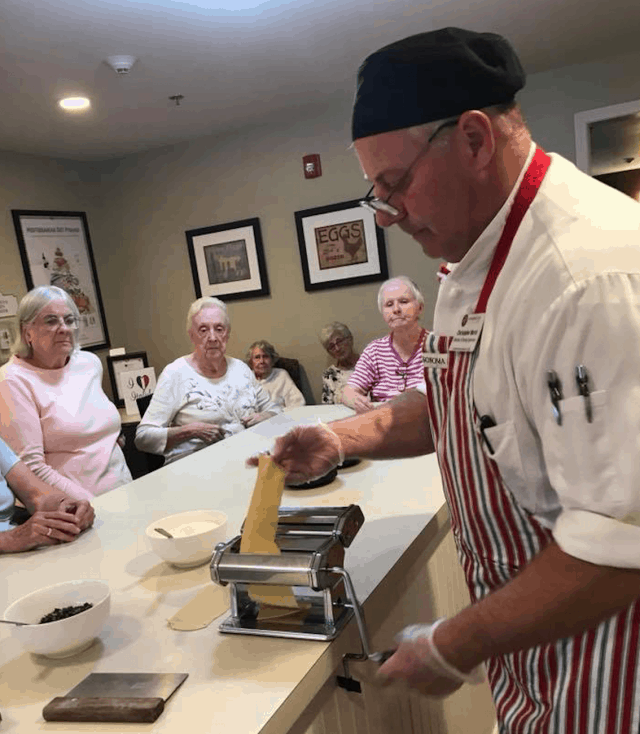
<point x="532" y="388"/>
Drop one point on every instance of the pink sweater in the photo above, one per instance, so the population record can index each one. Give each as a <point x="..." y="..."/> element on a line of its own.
<point x="62" y="425"/>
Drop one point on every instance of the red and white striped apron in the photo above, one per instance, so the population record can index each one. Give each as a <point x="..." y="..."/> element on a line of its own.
<point x="588" y="684"/>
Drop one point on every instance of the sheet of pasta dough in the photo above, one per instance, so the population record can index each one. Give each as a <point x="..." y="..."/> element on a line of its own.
<point x="208" y="604"/>
<point x="258" y="536"/>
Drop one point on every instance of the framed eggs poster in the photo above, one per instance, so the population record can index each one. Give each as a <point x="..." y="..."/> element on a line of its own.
<point x="340" y="245"/>
<point x="55" y="248"/>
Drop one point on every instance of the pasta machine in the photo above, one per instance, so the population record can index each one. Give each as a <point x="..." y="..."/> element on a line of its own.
<point x="312" y="543"/>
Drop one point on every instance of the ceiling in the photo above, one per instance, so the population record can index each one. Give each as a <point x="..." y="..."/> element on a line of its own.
<point x="239" y="61"/>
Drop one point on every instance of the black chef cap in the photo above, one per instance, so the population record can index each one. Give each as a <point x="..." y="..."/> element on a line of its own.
<point x="432" y="76"/>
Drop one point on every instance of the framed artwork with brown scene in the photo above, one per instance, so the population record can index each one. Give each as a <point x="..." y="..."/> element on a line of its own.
<point x="340" y="245"/>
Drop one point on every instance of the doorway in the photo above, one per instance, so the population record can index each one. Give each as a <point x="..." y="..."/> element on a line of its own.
<point x="608" y="145"/>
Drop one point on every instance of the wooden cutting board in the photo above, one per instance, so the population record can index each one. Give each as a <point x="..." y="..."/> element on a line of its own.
<point x="115" y="697"/>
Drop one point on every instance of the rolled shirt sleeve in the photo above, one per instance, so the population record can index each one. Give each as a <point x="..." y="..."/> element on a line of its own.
<point x="7" y="501"/>
<point x="7" y="459"/>
<point x="152" y="431"/>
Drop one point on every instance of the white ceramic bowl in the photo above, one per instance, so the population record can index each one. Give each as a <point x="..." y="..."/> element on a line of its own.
<point x="195" y="536"/>
<point x="66" y="636"/>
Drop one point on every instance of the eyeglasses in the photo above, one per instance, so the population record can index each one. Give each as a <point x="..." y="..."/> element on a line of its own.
<point x="336" y="343"/>
<point x="375" y="204"/>
<point x="403" y="374"/>
<point x="51" y="322"/>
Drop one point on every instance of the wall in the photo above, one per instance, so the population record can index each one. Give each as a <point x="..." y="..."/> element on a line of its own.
<point x="151" y="199"/>
<point x="551" y="99"/>
<point x="140" y="206"/>
<point x="31" y="182"/>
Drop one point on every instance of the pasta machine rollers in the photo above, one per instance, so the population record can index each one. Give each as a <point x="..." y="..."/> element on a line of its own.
<point x="312" y="543"/>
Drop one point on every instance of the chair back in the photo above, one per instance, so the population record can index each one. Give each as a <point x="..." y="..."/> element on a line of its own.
<point x="141" y="462"/>
<point x="292" y="366"/>
<point x="143" y="404"/>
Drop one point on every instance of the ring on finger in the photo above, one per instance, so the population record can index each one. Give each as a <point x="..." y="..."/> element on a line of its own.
<point x="48" y="532"/>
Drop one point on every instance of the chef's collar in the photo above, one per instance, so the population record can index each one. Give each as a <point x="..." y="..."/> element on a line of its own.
<point x="475" y="264"/>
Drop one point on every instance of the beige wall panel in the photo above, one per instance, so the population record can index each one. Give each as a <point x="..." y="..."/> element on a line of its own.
<point x="30" y="182"/>
<point x="152" y="198"/>
<point x="140" y="206"/>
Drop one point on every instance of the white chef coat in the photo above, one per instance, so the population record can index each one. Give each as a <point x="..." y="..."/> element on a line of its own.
<point x="569" y="294"/>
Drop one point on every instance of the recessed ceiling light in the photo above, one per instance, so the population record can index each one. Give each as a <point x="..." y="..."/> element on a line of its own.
<point x="74" y="103"/>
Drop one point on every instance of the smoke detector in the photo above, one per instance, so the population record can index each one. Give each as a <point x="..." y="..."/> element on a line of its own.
<point x="121" y="64"/>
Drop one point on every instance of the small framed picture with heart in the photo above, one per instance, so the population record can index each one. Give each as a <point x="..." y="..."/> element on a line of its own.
<point x="137" y="384"/>
<point x="118" y="365"/>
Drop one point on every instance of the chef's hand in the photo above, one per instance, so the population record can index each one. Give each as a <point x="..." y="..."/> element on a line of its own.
<point x="306" y="453"/>
<point x="413" y="664"/>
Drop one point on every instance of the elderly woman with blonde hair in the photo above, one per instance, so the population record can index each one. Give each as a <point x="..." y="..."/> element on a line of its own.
<point x="204" y="396"/>
<point x="261" y="356"/>
<point x="392" y="364"/>
<point x="53" y="411"/>
<point x="337" y="339"/>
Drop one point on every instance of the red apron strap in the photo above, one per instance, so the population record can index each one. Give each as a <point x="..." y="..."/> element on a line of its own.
<point x="526" y="193"/>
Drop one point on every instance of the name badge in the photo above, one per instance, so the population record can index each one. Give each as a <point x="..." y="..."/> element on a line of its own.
<point x="468" y="333"/>
<point x="435" y="361"/>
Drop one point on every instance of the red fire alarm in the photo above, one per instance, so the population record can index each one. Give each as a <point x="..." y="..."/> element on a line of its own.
<point x="311" y="166"/>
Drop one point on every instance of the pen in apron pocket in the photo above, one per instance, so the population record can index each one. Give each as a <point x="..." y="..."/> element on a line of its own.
<point x="555" y="393"/>
<point x="582" y="381"/>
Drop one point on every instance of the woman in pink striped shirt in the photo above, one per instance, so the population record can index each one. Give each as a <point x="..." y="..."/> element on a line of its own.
<point x="393" y="364"/>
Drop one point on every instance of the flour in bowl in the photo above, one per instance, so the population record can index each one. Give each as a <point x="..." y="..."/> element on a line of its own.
<point x="193" y="528"/>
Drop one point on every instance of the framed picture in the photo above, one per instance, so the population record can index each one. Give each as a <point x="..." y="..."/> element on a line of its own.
<point x="55" y="249"/>
<point x="340" y="245"/>
<point x="227" y="260"/>
<point x="120" y="364"/>
<point x="137" y="384"/>
<point x="7" y="337"/>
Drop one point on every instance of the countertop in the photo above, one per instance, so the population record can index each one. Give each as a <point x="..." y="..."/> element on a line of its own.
<point x="236" y="683"/>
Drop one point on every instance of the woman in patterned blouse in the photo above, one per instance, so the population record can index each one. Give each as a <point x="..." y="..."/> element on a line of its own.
<point x="338" y="341"/>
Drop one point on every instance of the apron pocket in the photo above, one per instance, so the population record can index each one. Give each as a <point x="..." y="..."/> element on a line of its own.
<point x="506" y="454"/>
